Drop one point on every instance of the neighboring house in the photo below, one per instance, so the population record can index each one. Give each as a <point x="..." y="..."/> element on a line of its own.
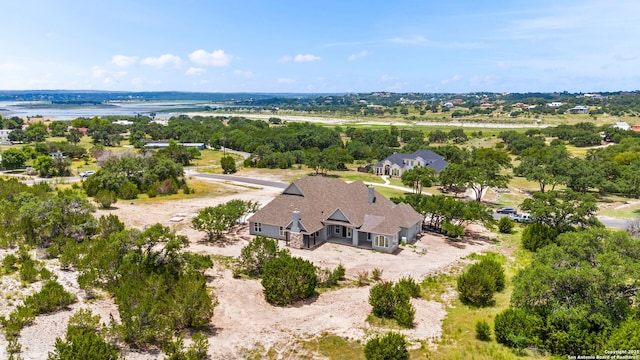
<point x="555" y="104"/>
<point x="4" y="136"/>
<point x="622" y="126"/>
<point x="317" y="209"/>
<point x="398" y="163"/>
<point x="448" y="105"/>
<point x="579" y="110"/>
<point x="57" y="155"/>
<point x="636" y="128"/>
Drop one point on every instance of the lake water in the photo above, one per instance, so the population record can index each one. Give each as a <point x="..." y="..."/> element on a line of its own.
<point x="162" y="110"/>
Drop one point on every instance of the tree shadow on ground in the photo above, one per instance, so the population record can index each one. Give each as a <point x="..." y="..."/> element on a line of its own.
<point x="470" y="238"/>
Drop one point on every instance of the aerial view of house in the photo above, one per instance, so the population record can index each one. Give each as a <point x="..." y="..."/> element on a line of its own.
<point x="398" y="163"/>
<point x="316" y="209"/>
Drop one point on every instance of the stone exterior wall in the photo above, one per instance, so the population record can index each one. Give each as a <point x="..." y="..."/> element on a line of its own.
<point x="296" y="240"/>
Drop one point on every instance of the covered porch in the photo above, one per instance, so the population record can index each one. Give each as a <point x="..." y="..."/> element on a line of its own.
<point x="302" y="240"/>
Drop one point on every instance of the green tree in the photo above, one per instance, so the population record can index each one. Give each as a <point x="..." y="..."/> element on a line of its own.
<point x="544" y="165"/>
<point x="563" y="210"/>
<point x="36" y="132"/>
<point x="485" y="170"/>
<point x="286" y="280"/>
<point x="437" y="136"/>
<point x="418" y="177"/>
<point x="215" y="219"/>
<point x="228" y="164"/>
<point x="583" y="287"/>
<point x="74" y="136"/>
<point x="13" y="158"/>
<point x="391" y="346"/>
<point x="44" y="165"/>
<point x="255" y="255"/>
<point x="106" y="198"/>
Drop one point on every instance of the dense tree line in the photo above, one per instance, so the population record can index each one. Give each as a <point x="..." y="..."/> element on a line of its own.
<point x="578" y="296"/>
<point x="129" y="176"/>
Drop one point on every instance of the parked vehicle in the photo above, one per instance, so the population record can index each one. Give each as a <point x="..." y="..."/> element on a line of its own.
<point x="522" y="218"/>
<point x="507" y="210"/>
<point x="87" y="173"/>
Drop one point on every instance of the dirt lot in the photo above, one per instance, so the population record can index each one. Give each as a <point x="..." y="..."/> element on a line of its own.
<point x="243" y="320"/>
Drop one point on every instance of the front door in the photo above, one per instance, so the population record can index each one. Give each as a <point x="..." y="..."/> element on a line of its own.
<point x="344" y="231"/>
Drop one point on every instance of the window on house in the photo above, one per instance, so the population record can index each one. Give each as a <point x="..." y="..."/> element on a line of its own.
<point x="381" y="241"/>
<point x="257" y="227"/>
<point x="281" y="231"/>
<point x="349" y="232"/>
<point x="337" y="229"/>
<point x="368" y="236"/>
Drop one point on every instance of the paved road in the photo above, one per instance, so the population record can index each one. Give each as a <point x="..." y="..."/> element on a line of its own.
<point x="241" y="179"/>
<point x="606" y="221"/>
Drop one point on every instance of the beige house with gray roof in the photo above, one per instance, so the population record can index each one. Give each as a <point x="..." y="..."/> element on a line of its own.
<point x="316" y="209"/>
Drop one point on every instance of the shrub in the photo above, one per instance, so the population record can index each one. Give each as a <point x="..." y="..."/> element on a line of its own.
<point x="538" y="235"/>
<point x="483" y="331"/>
<point x="410" y="286"/>
<point x="515" y="328"/>
<point x="288" y="279"/>
<point x="376" y="274"/>
<point x="391" y="346"/>
<point x="404" y="313"/>
<point x="83" y="341"/>
<point x="505" y="225"/>
<point x="257" y="253"/>
<point x="383" y="298"/>
<point x="9" y="263"/>
<point x="363" y="278"/>
<point x="476" y="288"/>
<point x="328" y="278"/>
<point x="128" y="191"/>
<point x="392" y="302"/>
<point x="50" y="298"/>
<point x="105" y="198"/>
<point x="494" y="269"/>
<point x="28" y="271"/>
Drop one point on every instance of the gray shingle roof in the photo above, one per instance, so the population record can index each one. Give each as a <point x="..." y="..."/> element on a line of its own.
<point x="321" y="196"/>
<point x="435" y="161"/>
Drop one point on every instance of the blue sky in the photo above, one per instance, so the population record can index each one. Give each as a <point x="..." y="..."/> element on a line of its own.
<point x="321" y="46"/>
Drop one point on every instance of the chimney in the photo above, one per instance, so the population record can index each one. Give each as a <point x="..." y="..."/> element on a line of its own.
<point x="372" y="194"/>
<point x="295" y="227"/>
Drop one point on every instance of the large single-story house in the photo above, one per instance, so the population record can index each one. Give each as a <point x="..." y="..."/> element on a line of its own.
<point x="317" y="209"/>
<point x="622" y="125"/>
<point x="398" y="163"/>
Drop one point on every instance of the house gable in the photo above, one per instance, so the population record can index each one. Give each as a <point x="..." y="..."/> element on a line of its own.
<point x="338" y="215"/>
<point x="293" y="190"/>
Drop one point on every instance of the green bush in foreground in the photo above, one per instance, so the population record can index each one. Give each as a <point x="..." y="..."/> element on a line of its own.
<point x="483" y="331"/>
<point x="83" y="340"/>
<point x="391" y="346"/>
<point x="288" y="279"/>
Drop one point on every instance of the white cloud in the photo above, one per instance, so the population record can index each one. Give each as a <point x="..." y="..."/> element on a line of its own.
<point x="359" y="55"/>
<point x="107" y="77"/>
<point x="215" y="58"/>
<point x="162" y="61"/>
<point x="285" y="59"/>
<point x="306" y="58"/>
<point x="244" y="74"/>
<point x="286" y="81"/>
<point x="123" y="60"/>
<point x="502" y="65"/>
<point x="195" y="71"/>
<point x="412" y="40"/>
<point x="452" y="79"/>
